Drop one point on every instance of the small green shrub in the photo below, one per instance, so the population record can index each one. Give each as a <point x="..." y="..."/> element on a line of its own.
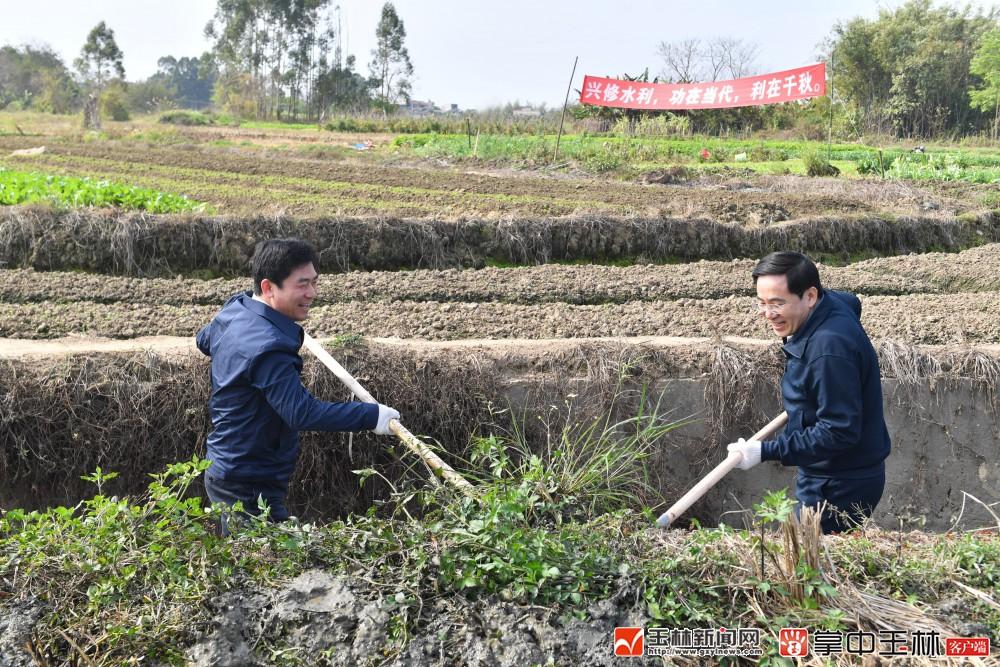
<point x="185" y="117"/>
<point x="114" y="104"/>
<point x="768" y="154"/>
<point x="817" y="165"/>
<point x="602" y="161"/>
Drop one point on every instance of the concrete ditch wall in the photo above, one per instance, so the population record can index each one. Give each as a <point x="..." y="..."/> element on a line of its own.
<point x="61" y="416"/>
<point x="944" y="443"/>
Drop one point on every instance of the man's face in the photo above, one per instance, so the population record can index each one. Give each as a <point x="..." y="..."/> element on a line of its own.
<point x="784" y="311"/>
<point x="296" y="293"/>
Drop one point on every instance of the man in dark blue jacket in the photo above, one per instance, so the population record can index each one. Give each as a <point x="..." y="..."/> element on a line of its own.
<point x="258" y="403"/>
<point x="832" y="390"/>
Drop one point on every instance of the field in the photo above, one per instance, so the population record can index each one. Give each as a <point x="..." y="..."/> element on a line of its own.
<point x="507" y="307"/>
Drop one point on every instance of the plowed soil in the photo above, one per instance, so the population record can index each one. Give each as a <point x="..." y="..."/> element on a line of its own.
<point x="917" y="319"/>
<point x="931" y="299"/>
<point x="969" y="271"/>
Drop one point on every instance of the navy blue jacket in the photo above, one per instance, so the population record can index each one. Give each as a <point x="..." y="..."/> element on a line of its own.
<point x="258" y="404"/>
<point x="832" y="390"/>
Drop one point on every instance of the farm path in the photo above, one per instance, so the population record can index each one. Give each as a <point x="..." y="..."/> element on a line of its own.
<point x="13" y="348"/>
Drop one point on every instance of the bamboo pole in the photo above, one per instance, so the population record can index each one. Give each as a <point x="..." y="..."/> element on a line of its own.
<point x="412" y="442"/>
<point x="717" y="473"/>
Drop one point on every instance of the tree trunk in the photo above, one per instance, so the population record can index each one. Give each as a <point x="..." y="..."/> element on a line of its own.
<point x="92" y="113"/>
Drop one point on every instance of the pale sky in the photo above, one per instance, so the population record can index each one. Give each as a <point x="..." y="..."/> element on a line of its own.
<point x="474" y="53"/>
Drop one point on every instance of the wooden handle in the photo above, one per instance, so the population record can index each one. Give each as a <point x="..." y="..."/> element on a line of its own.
<point x="717" y="473"/>
<point x="412" y="442"/>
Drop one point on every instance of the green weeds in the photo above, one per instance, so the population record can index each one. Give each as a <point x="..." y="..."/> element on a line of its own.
<point x="557" y="525"/>
<point x="123" y="577"/>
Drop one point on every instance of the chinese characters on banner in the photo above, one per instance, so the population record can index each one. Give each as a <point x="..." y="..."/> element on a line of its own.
<point x="786" y="86"/>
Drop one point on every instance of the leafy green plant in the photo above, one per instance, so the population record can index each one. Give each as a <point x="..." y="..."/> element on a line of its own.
<point x="127" y="575"/>
<point x="17" y="187"/>
<point x="872" y="163"/>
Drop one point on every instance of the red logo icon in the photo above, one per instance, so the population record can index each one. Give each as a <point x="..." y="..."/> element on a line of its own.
<point x="629" y="642"/>
<point x="967" y="646"/>
<point x="793" y="642"/>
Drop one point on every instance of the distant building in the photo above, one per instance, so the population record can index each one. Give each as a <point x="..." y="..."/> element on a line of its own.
<point x="419" y="108"/>
<point x="527" y="112"/>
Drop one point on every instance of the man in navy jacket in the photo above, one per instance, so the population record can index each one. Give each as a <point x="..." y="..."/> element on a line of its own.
<point x="258" y="403"/>
<point x="832" y="390"/>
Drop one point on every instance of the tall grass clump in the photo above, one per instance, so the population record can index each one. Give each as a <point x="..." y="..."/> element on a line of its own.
<point x="591" y="467"/>
<point x="816" y="164"/>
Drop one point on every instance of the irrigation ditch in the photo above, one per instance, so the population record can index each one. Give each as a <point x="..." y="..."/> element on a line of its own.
<point x="379" y="586"/>
<point x="134" y="412"/>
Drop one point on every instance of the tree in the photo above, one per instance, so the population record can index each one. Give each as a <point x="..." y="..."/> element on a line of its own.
<point x="34" y="77"/>
<point x="189" y="81"/>
<point x="391" y="68"/>
<point x="908" y="71"/>
<point x="720" y="58"/>
<point x="340" y="88"/>
<point x="715" y="59"/>
<point x="100" y="57"/>
<point x="986" y="65"/>
<point x="99" y="60"/>
<point x="268" y="54"/>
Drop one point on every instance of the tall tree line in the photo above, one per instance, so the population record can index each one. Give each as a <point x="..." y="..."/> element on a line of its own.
<point x="910" y="71"/>
<point x="283" y="59"/>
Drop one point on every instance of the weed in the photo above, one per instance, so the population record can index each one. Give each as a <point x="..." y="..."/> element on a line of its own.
<point x="817" y="165"/>
<point x="186" y="117"/>
<point x="125" y="578"/>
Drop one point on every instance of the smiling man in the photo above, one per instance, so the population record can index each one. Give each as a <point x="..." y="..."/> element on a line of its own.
<point x="258" y="403"/>
<point x="832" y="391"/>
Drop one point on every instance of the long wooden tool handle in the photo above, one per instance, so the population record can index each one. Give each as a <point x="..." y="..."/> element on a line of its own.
<point x="401" y="432"/>
<point x="717" y="473"/>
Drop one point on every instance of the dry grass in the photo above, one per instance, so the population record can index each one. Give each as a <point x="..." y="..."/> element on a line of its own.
<point x="134" y="244"/>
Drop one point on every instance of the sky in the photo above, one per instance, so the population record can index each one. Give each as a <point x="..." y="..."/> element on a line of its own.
<point x="474" y="53"/>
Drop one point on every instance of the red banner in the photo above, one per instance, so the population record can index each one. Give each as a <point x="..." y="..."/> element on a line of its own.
<point x="787" y="86"/>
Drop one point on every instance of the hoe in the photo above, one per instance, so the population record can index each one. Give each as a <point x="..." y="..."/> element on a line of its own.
<point x="433" y="461"/>
<point x="717" y="473"/>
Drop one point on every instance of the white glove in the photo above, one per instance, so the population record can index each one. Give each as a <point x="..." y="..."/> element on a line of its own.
<point x="750" y="449"/>
<point x="385" y="415"/>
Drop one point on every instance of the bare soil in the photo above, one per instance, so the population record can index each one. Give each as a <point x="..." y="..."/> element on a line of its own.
<point x="917" y="319"/>
<point x="968" y="271"/>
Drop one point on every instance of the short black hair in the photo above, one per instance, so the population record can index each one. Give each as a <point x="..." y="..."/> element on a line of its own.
<point x="275" y="259"/>
<point x="799" y="271"/>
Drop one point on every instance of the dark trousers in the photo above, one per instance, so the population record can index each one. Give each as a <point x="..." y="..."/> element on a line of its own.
<point x="229" y="491"/>
<point x="849" y="501"/>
